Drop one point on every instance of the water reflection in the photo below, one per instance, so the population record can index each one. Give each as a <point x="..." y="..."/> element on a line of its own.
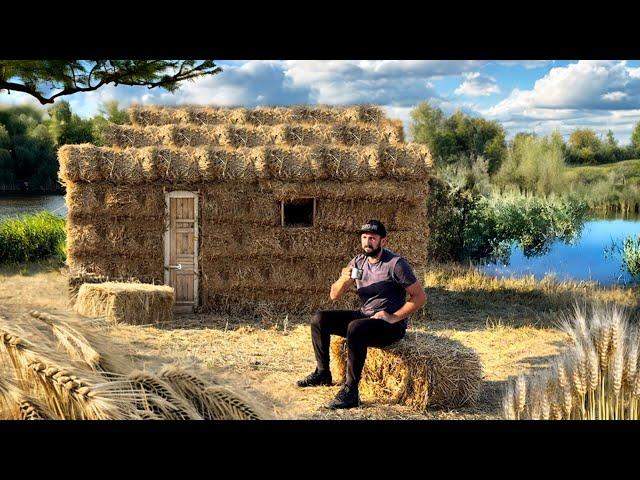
<point x="586" y="259"/>
<point x="16" y="205"/>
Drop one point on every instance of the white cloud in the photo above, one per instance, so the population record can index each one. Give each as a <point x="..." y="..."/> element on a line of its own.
<point x="581" y="85"/>
<point x="615" y="96"/>
<point x="476" y="85"/>
<point x="528" y="64"/>
<point x="591" y="94"/>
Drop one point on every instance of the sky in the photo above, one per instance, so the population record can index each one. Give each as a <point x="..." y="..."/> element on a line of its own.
<point x="525" y="96"/>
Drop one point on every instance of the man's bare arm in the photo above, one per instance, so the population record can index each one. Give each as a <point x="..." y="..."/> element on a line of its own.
<point x="417" y="298"/>
<point x="341" y="285"/>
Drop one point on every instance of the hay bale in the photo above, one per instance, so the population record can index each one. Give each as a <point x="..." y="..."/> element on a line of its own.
<point x="297" y="163"/>
<point x="80" y="163"/>
<point x="420" y="371"/>
<point x="411" y="161"/>
<point x="356" y="134"/>
<point x="383" y="190"/>
<point x="133" y="136"/>
<point x="246" y="136"/>
<point x="392" y="131"/>
<point x="179" y="164"/>
<point x="84" y="199"/>
<point x="238" y="205"/>
<point x="134" y="303"/>
<point x="154" y="115"/>
<point x="135" y="265"/>
<point x="349" y="163"/>
<point x="307" y="135"/>
<point x="225" y="163"/>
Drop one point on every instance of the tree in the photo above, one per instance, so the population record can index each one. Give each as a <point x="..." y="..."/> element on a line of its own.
<point x="458" y="138"/>
<point x="29" y="151"/>
<point x="635" y="139"/>
<point x="112" y="113"/>
<point x="534" y="165"/>
<point x="66" y="127"/>
<point x="47" y="80"/>
<point x="584" y="138"/>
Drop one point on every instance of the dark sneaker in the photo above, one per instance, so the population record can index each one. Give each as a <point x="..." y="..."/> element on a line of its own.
<point x="347" y="397"/>
<point x="316" y="379"/>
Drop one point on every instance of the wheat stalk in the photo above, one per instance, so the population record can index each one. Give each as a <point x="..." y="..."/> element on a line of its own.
<point x="172" y="406"/>
<point x="226" y="405"/>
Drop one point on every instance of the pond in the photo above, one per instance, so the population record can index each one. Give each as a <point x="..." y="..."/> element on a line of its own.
<point x="584" y="260"/>
<point x="15" y="205"/>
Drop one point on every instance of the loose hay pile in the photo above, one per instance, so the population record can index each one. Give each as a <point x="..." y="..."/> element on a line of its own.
<point x="55" y="368"/>
<point x="243" y="163"/>
<point x="420" y="371"/>
<point x="134" y="303"/>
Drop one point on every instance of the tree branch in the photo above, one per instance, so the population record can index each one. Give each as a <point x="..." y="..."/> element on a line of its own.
<point x="111" y="73"/>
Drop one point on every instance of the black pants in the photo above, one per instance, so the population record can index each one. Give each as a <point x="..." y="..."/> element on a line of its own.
<point x="361" y="332"/>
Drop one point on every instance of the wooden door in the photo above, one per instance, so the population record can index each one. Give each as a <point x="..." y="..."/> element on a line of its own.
<point x="181" y="248"/>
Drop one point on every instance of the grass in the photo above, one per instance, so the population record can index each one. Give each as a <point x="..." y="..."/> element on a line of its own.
<point x="510" y="323"/>
<point x="610" y="187"/>
<point x="31" y="238"/>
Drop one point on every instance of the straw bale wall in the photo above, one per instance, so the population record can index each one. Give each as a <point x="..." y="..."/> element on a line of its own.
<point x="243" y="163"/>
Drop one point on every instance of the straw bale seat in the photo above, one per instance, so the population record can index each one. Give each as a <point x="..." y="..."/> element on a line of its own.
<point x="420" y="371"/>
<point x="134" y="303"/>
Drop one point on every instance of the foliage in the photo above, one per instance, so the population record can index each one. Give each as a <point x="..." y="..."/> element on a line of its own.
<point x="47" y="80"/>
<point x="457" y="137"/>
<point x="533" y="165"/>
<point x="29" y="151"/>
<point x="32" y="237"/>
<point x="466" y="225"/>
<point x="611" y="187"/>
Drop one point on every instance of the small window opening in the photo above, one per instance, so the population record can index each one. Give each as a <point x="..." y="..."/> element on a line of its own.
<point x="298" y="213"/>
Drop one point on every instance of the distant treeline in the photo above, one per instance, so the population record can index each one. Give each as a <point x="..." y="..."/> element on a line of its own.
<point x="460" y="137"/>
<point x="30" y="138"/>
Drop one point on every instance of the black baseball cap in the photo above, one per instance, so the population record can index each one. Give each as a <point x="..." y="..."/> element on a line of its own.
<point x="373" y="226"/>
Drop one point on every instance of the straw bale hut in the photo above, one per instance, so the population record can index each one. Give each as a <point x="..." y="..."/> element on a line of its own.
<point x="241" y="210"/>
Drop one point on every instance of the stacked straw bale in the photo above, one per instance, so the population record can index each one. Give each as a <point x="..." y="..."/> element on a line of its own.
<point x="134" y="303"/>
<point x="242" y="163"/>
<point x="420" y="371"/>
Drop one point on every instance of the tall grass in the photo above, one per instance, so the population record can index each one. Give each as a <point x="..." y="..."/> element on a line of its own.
<point x="597" y="378"/>
<point x="32" y="237"/>
<point x="606" y="188"/>
<point x="631" y="256"/>
<point x="531" y="222"/>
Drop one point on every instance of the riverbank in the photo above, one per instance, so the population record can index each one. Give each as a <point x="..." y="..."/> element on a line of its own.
<point x="509" y="322"/>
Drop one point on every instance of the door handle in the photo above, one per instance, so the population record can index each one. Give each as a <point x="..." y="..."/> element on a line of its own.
<point x="174" y="267"/>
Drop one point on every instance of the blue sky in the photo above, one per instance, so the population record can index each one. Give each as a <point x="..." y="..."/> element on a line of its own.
<point x="527" y="95"/>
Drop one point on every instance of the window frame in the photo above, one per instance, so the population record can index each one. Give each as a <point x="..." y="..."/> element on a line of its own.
<point x="313" y="223"/>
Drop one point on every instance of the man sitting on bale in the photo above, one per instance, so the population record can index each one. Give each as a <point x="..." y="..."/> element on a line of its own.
<point x="382" y="279"/>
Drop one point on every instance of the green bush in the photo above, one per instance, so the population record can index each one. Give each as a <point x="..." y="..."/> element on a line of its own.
<point x="32" y="237"/>
<point x="532" y="222"/>
<point x="465" y="225"/>
<point x="631" y="256"/>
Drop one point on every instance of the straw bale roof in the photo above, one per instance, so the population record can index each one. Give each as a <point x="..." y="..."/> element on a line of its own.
<point x="204" y="144"/>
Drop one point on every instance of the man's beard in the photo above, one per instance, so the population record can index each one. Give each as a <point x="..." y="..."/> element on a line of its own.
<point x="373" y="253"/>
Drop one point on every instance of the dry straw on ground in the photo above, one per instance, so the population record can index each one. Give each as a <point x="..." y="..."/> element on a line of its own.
<point x="596" y="378"/>
<point x="134" y="303"/>
<point x="70" y="368"/>
<point x="420" y="371"/>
